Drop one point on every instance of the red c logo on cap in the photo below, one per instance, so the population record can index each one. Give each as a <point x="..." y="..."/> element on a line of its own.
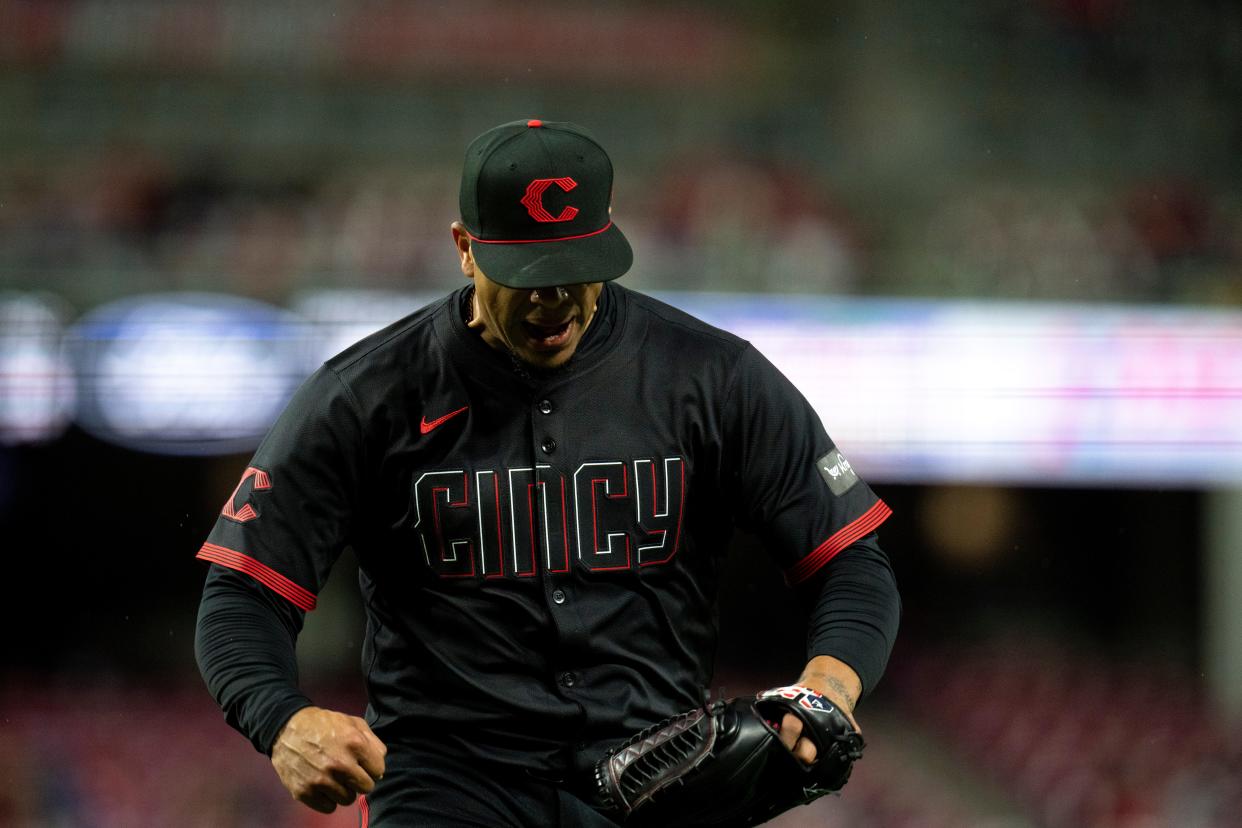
<point x="533" y="200"/>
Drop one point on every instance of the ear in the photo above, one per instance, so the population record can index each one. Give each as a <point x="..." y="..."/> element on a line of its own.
<point x="461" y="240"/>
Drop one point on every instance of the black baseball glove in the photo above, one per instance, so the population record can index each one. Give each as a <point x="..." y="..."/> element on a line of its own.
<point x="724" y="764"/>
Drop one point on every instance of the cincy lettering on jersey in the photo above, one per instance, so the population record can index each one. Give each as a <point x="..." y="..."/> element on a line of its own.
<point x="497" y="523"/>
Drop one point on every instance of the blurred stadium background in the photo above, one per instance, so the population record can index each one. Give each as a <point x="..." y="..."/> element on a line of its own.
<point x="998" y="244"/>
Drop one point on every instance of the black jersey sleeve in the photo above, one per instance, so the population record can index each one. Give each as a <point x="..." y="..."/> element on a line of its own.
<point x="789" y="482"/>
<point x="244" y="643"/>
<point x="289" y="517"/>
<point x="856" y="610"/>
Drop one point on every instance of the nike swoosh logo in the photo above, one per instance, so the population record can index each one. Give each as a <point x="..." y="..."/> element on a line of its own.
<point x="427" y="427"/>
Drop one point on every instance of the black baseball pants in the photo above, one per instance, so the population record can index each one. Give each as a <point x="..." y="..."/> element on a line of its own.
<point x="427" y="785"/>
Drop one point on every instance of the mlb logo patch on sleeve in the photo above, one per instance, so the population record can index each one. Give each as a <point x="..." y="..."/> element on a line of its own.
<point x="837" y="472"/>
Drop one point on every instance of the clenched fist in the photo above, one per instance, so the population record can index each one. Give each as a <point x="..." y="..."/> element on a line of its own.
<point x="325" y="758"/>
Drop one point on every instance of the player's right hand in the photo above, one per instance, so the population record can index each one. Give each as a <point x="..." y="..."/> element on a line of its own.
<point x="325" y="758"/>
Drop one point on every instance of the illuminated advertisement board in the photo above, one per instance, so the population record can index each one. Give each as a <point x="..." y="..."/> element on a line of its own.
<point x="36" y="381"/>
<point x="1031" y="393"/>
<point x="912" y="391"/>
<point x="185" y="373"/>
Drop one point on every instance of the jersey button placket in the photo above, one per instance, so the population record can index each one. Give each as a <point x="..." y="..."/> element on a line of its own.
<point x="543" y="422"/>
<point x="546" y="429"/>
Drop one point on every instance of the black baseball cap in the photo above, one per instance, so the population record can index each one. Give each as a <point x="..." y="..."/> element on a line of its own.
<point x="536" y="200"/>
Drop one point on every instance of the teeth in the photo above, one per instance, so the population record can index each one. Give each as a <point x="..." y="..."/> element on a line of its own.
<point x="550" y="330"/>
<point x="547" y="334"/>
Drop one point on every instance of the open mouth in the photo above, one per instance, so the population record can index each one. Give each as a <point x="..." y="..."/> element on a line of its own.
<point x="548" y="336"/>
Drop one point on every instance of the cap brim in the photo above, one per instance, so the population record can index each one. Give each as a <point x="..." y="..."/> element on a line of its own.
<point x="596" y="258"/>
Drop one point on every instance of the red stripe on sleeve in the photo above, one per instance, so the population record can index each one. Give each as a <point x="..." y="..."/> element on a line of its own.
<point x="300" y="597"/>
<point x="364" y="812"/>
<point x="826" y="551"/>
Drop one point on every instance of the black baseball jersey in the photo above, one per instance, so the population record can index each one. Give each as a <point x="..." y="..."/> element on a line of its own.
<point x="538" y="553"/>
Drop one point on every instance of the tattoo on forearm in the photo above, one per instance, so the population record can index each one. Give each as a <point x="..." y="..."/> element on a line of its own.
<point x="840" y="691"/>
<point x="846" y="697"/>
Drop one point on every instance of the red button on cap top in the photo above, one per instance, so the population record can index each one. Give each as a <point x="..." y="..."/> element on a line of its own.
<point x="534" y="123"/>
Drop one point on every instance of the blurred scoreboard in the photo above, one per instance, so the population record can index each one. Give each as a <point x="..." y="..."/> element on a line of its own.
<point x="923" y="391"/>
<point x="912" y="391"/>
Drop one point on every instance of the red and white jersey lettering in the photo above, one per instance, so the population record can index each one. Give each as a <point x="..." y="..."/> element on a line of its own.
<point x="662" y="522"/>
<point x="440" y="498"/>
<point x="563" y="524"/>
<point x="607" y="523"/>
<point x="534" y="519"/>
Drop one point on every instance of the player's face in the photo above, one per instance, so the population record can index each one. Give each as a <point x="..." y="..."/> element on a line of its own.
<point x="542" y="326"/>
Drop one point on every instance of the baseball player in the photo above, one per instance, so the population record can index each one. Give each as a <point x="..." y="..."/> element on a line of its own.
<point x="539" y="475"/>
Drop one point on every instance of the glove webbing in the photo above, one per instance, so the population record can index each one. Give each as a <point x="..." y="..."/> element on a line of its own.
<point x="665" y="750"/>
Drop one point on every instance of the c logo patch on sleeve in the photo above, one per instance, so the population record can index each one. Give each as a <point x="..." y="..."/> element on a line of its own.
<point x="837" y="472"/>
